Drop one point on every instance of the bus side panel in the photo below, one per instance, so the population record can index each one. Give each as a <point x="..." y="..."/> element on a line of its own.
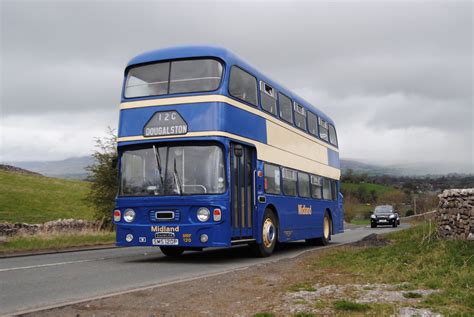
<point x="299" y="226"/>
<point x="294" y="226"/>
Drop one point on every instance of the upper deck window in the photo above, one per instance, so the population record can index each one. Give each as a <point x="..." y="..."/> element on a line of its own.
<point x="332" y="135"/>
<point x="300" y="116"/>
<point x="243" y="86"/>
<point x="286" y="112"/>
<point x="312" y="124"/>
<point x="268" y="98"/>
<point x="323" y="130"/>
<point x="183" y="76"/>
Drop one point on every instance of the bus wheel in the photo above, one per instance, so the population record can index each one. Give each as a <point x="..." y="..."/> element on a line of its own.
<point x="324" y="240"/>
<point x="269" y="235"/>
<point x="172" y="251"/>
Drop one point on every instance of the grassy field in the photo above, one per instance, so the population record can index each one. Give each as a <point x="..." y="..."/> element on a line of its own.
<point x="416" y="260"/>
<point x="53" y="242"/>
<point x="36" y="199"/>
<point x="379" y="189"/>
<point x="355" y="210"/>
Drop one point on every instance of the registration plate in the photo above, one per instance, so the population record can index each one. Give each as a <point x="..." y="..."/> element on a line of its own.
<point x="382" y="220"/>
<point x="165" y="242"/>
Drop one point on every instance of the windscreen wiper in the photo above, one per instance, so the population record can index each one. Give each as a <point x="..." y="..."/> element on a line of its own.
<point x="158" y="164"/>
<point x="176" y="178"/>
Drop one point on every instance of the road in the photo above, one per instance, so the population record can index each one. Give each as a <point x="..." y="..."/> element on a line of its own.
<point x="38" y="281"/>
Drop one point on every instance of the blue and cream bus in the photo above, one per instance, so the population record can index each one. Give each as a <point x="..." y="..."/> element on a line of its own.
<point x="213" y="153"/>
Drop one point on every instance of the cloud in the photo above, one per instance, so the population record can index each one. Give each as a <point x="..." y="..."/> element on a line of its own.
<point x="393" y="74"/>
<point x="53" y="136"/>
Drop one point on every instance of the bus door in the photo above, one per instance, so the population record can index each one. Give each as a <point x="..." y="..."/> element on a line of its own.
<point x="242" y="162"/>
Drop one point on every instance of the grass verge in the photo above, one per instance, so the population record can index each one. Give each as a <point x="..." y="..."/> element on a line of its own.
<point x="55" y="241"/>
<point x="418" y="258"/>
<point x="361" y="222"/>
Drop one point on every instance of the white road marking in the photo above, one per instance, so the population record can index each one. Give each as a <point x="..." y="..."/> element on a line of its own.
<point x="49" y="264"/>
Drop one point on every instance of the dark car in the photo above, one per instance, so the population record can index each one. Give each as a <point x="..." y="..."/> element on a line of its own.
<point x="384" y="215"/>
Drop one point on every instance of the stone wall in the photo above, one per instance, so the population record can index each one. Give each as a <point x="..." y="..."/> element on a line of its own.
<point x="455" y="216"/>
<point x="56" y="226"/>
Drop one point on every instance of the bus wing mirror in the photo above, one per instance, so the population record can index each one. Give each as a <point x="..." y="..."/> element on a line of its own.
<point x="114" y="163"/>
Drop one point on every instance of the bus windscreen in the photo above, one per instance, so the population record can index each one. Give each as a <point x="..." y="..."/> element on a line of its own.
<point x="181" y="76"/>
<point x="172" y="170"/>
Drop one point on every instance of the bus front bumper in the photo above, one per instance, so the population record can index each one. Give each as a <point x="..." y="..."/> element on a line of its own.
<point x="178" y="235"/>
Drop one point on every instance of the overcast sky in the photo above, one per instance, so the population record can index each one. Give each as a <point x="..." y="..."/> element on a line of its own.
<point x="397" y="77"/>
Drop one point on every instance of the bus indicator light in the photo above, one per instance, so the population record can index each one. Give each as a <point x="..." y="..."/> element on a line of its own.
<point x="260" y="173"/>
<point x="217" y="214"/>
<point x="117" y="215"/>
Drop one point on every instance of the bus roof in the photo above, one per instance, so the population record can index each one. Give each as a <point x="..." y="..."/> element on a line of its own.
<point x="230" y="59"/>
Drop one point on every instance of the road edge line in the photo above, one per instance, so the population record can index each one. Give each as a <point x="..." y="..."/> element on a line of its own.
<point x="59" y="251"/>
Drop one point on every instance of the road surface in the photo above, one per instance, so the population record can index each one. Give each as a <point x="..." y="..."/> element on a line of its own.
<point x="32" y="282"/>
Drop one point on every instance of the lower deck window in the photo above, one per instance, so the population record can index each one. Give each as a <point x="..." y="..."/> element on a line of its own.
<point x="303" y="185"/>
<point x="289" y="182"/>
<point x="334" y="189"/>
<point x="327" y="193"/>
<point x="272" y="179"/>
<point x="316" y="187"/>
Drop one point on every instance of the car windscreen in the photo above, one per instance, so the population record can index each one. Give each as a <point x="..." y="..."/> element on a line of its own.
<point x="383" y="210"/>
<point x="181" y="76"/>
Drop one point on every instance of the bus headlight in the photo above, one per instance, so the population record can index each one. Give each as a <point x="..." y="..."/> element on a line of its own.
<point x="129" y="215"/>
<point x="203" y="214"/>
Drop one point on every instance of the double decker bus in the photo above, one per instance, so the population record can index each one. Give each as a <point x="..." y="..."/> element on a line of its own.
<point x="213" y="153"/>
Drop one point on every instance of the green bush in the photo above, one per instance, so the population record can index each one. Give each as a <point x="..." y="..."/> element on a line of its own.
<point x="104" y="178"/>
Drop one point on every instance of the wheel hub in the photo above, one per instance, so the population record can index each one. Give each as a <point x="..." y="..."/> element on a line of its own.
<point x="326" y="228"/>
<point x="268" y="232"/>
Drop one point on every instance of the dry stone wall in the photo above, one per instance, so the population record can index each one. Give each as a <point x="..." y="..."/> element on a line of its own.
<point x="455" y="216"/>
<point x="56" y="226"/>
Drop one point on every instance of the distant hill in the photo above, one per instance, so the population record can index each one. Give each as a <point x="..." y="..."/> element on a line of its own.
<point x="71" y="168"/>
<point x="409" y="169"/>
<point x="74" y="168"/>
<point x="32" y="198"/>
<point x="14" y="169"/>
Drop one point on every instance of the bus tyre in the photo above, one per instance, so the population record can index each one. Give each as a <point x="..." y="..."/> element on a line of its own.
<point x="324" y="240"/>
<point x="172" y="251"/>
<point x="269" y="232"/>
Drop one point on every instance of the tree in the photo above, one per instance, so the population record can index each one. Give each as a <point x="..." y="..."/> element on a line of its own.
<point x="373" y="196"/>
<point x="104" y="178"/>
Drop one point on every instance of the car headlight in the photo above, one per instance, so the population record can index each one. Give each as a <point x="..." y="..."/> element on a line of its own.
<point x="373" y="217"/>
<point x="203" y="214"/>
<point x="391" y="216"/>
<point x="129" y="215"/>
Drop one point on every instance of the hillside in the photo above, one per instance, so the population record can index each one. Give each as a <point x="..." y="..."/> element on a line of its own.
<point x="379" y="189"/>
<point x="71" y="168"/>
<point x="34" y="198"/>
<point x="75" y="168"/>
